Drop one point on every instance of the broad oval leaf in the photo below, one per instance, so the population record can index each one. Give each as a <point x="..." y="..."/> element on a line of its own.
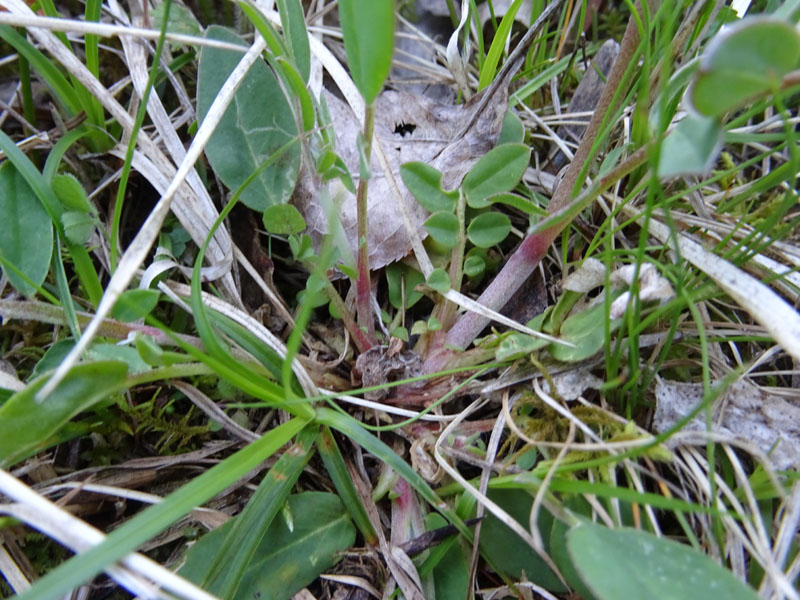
<point x="286" y="560"/>
<point x="26" y="232"/>
<point x="474" y="266"/>
<point x="283" y="219"/>
<point x="368" y="29"/>
<point x="507" y="551"/>
<point x="135" y="304"/>
<point x="71" y="193"/>
<point x="630" y="563"/>
<point x="691" y="148"/>
<point x="488" y="229"/>
<point x="26" y="425"/>
<point x="78" y="226"/>
<point x="443" y="227"/>
<point x="425" y="184"/>
<point x="258" y="122"/>
<point x="498" y="171"/>
<point x="586" y="331"/>
<point x="439" y="280"/>
<point x="746" y="61"/>
<point x="402" y="280"/>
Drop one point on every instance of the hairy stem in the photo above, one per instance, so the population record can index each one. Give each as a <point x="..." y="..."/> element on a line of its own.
<point x="363" y="285"/>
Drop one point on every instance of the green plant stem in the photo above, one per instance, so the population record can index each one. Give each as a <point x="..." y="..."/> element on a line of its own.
<point x="363" y="285"/>
<point x="447" y="310"/>
<point x="525" y="259"/>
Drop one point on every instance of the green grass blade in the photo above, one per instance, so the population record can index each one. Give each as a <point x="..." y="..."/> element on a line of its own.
<point x="352" y="429"/>
<point x="241" y="543"/>
<point x="294" y="31"/>
<point x="60" y="86"/>
<point x="25" y="424"/>
<point x="334" y="464"/>
<point x="489" y="67"/>
<point x="154" y="519"/>
<point x="63" y="291"/>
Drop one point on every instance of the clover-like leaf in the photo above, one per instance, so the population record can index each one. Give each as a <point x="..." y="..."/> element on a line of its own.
<point x="498" y="171"/>
<point x="488" y="229"/>
<point x="443" y="227"/>
<point x="746" y="61"/>
<point x="425" y="184"/>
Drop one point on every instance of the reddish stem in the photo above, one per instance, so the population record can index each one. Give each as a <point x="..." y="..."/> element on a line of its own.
<point x="363" y="283"/>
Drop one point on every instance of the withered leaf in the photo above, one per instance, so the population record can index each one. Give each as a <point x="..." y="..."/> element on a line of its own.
<point x="410" y="128"/>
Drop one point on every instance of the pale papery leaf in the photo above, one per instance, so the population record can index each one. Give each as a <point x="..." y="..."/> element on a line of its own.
<point x="745" y="411"/>
<point x="410" y="128"/>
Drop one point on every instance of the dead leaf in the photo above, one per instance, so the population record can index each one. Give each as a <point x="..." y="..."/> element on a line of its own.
<point x="380" y="365"/>
<point x="411" y="128"/>
<point x="744" y="411"/>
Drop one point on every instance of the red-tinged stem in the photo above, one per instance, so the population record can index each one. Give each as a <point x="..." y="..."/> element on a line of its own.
<point x="363" y="284"/>
<point x="562" y="209"/>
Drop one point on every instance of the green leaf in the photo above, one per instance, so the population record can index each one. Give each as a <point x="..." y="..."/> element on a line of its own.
<point x="439" y="280"/>
<point x="746" y="61"/>
<point x="124" y="354"/>
<point x="488" y="229"/>
<point x="234" y="553"/>
<point x="691" y="148"/>
<point x="26" y="232"/>
<point x="518" y="202"/>
<point x="368" y="29"/>
<point x="258" y="122"/>
<point x="71" y="193"/>
<point x="343" y="481"/>
<point x="451" y="573"/>
<point x="156" y="518"/>
<point x="586" y="331"/>
<point x="630" y="563"/>
<point x="133" y="305"/>
<point x="498" y="171"/>
<point x="443" y="227"/>
<point x="498" y="45"/>
<point x="58" y="84"/>
<point x="507" y="550"/>
<point x="181" y="19"/>
<point x="474" y="266"/>
<point x="53" y="357"/>
<point x="294" y="31"/>
<point x="425" y="184"/>
<point x="512" y="131"/>
<point x="25" y="424"/>
<point x="402" y="278"/>
<point x="301" y="94"/>
<point x="283" y="219"/>
<point x="78" y="226"/>
<point x="517" y="345"/>
<point x="286" y="560"/>
<point x="558" y="547"/>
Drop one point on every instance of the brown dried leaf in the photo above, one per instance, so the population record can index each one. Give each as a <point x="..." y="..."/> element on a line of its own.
<point x="410" y="128"/>
<point x="379" y="365"/>
<point x="745" y="412"/>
